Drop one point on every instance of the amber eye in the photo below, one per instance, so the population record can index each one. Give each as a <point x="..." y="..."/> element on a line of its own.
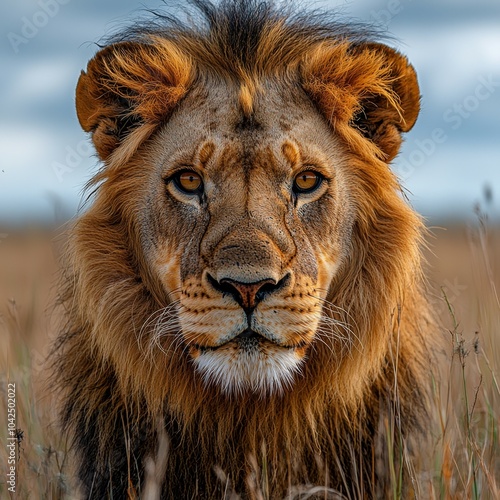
<point x="188" y="181"/>
<point x="307" y="181"/>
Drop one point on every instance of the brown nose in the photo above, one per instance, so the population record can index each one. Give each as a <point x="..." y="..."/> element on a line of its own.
<point x="248" y="295"/>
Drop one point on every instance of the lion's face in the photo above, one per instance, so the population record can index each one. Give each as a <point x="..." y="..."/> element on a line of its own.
<point x="244" y="200"/>
<point x="248" y="221"/>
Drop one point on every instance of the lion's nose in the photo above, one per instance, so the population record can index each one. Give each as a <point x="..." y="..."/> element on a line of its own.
<point x="248" y="295"/>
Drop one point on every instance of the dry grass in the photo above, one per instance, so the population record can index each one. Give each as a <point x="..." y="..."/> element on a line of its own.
<point x="27" y="272"/>
<point x="464" y="285"/>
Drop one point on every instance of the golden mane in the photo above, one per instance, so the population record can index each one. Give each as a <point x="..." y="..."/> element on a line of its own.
<point x="116" y="386"/>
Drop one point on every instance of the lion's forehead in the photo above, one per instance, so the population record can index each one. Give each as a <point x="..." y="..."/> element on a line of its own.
<point x="219" y="128"/>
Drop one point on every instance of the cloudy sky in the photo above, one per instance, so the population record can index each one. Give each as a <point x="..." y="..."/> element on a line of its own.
<point x="449" y="160"/>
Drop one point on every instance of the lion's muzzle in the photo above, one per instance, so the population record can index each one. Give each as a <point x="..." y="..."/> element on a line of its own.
<point x="248" y="295"/>
<point x="248" y="335"/>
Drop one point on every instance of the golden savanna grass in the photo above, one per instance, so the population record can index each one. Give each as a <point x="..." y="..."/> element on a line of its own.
<point x="464" y="286"/>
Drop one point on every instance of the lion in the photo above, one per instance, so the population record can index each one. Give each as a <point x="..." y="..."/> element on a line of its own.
<point x="246" y="280"/>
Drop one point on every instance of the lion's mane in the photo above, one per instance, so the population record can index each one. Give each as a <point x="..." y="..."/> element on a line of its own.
<point x="335" y="427"/>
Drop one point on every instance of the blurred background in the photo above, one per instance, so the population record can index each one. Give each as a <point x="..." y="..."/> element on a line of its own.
<point x="450" y="160"/>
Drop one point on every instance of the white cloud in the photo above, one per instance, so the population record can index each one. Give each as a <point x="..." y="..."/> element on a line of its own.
<point x="450" y="58"/>
<point x="29" y="175"/>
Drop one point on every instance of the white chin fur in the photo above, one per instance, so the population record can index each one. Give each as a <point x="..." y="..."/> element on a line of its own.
<point x="238" y="370"/>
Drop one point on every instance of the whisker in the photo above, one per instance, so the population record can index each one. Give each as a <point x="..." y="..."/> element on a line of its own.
<point x="334" y="307"/>
<point x="162" y="322"/>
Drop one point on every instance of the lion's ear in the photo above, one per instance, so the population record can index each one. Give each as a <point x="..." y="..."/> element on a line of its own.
<point x="370" y="87"/>
<point x="127" y="84"/>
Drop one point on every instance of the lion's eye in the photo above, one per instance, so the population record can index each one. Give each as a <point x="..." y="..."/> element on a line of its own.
<point x="307" y="181"/>
<point x="188" y="181"/>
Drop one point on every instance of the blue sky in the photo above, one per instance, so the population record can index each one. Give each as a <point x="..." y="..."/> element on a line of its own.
<point x="447" y="161"/>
